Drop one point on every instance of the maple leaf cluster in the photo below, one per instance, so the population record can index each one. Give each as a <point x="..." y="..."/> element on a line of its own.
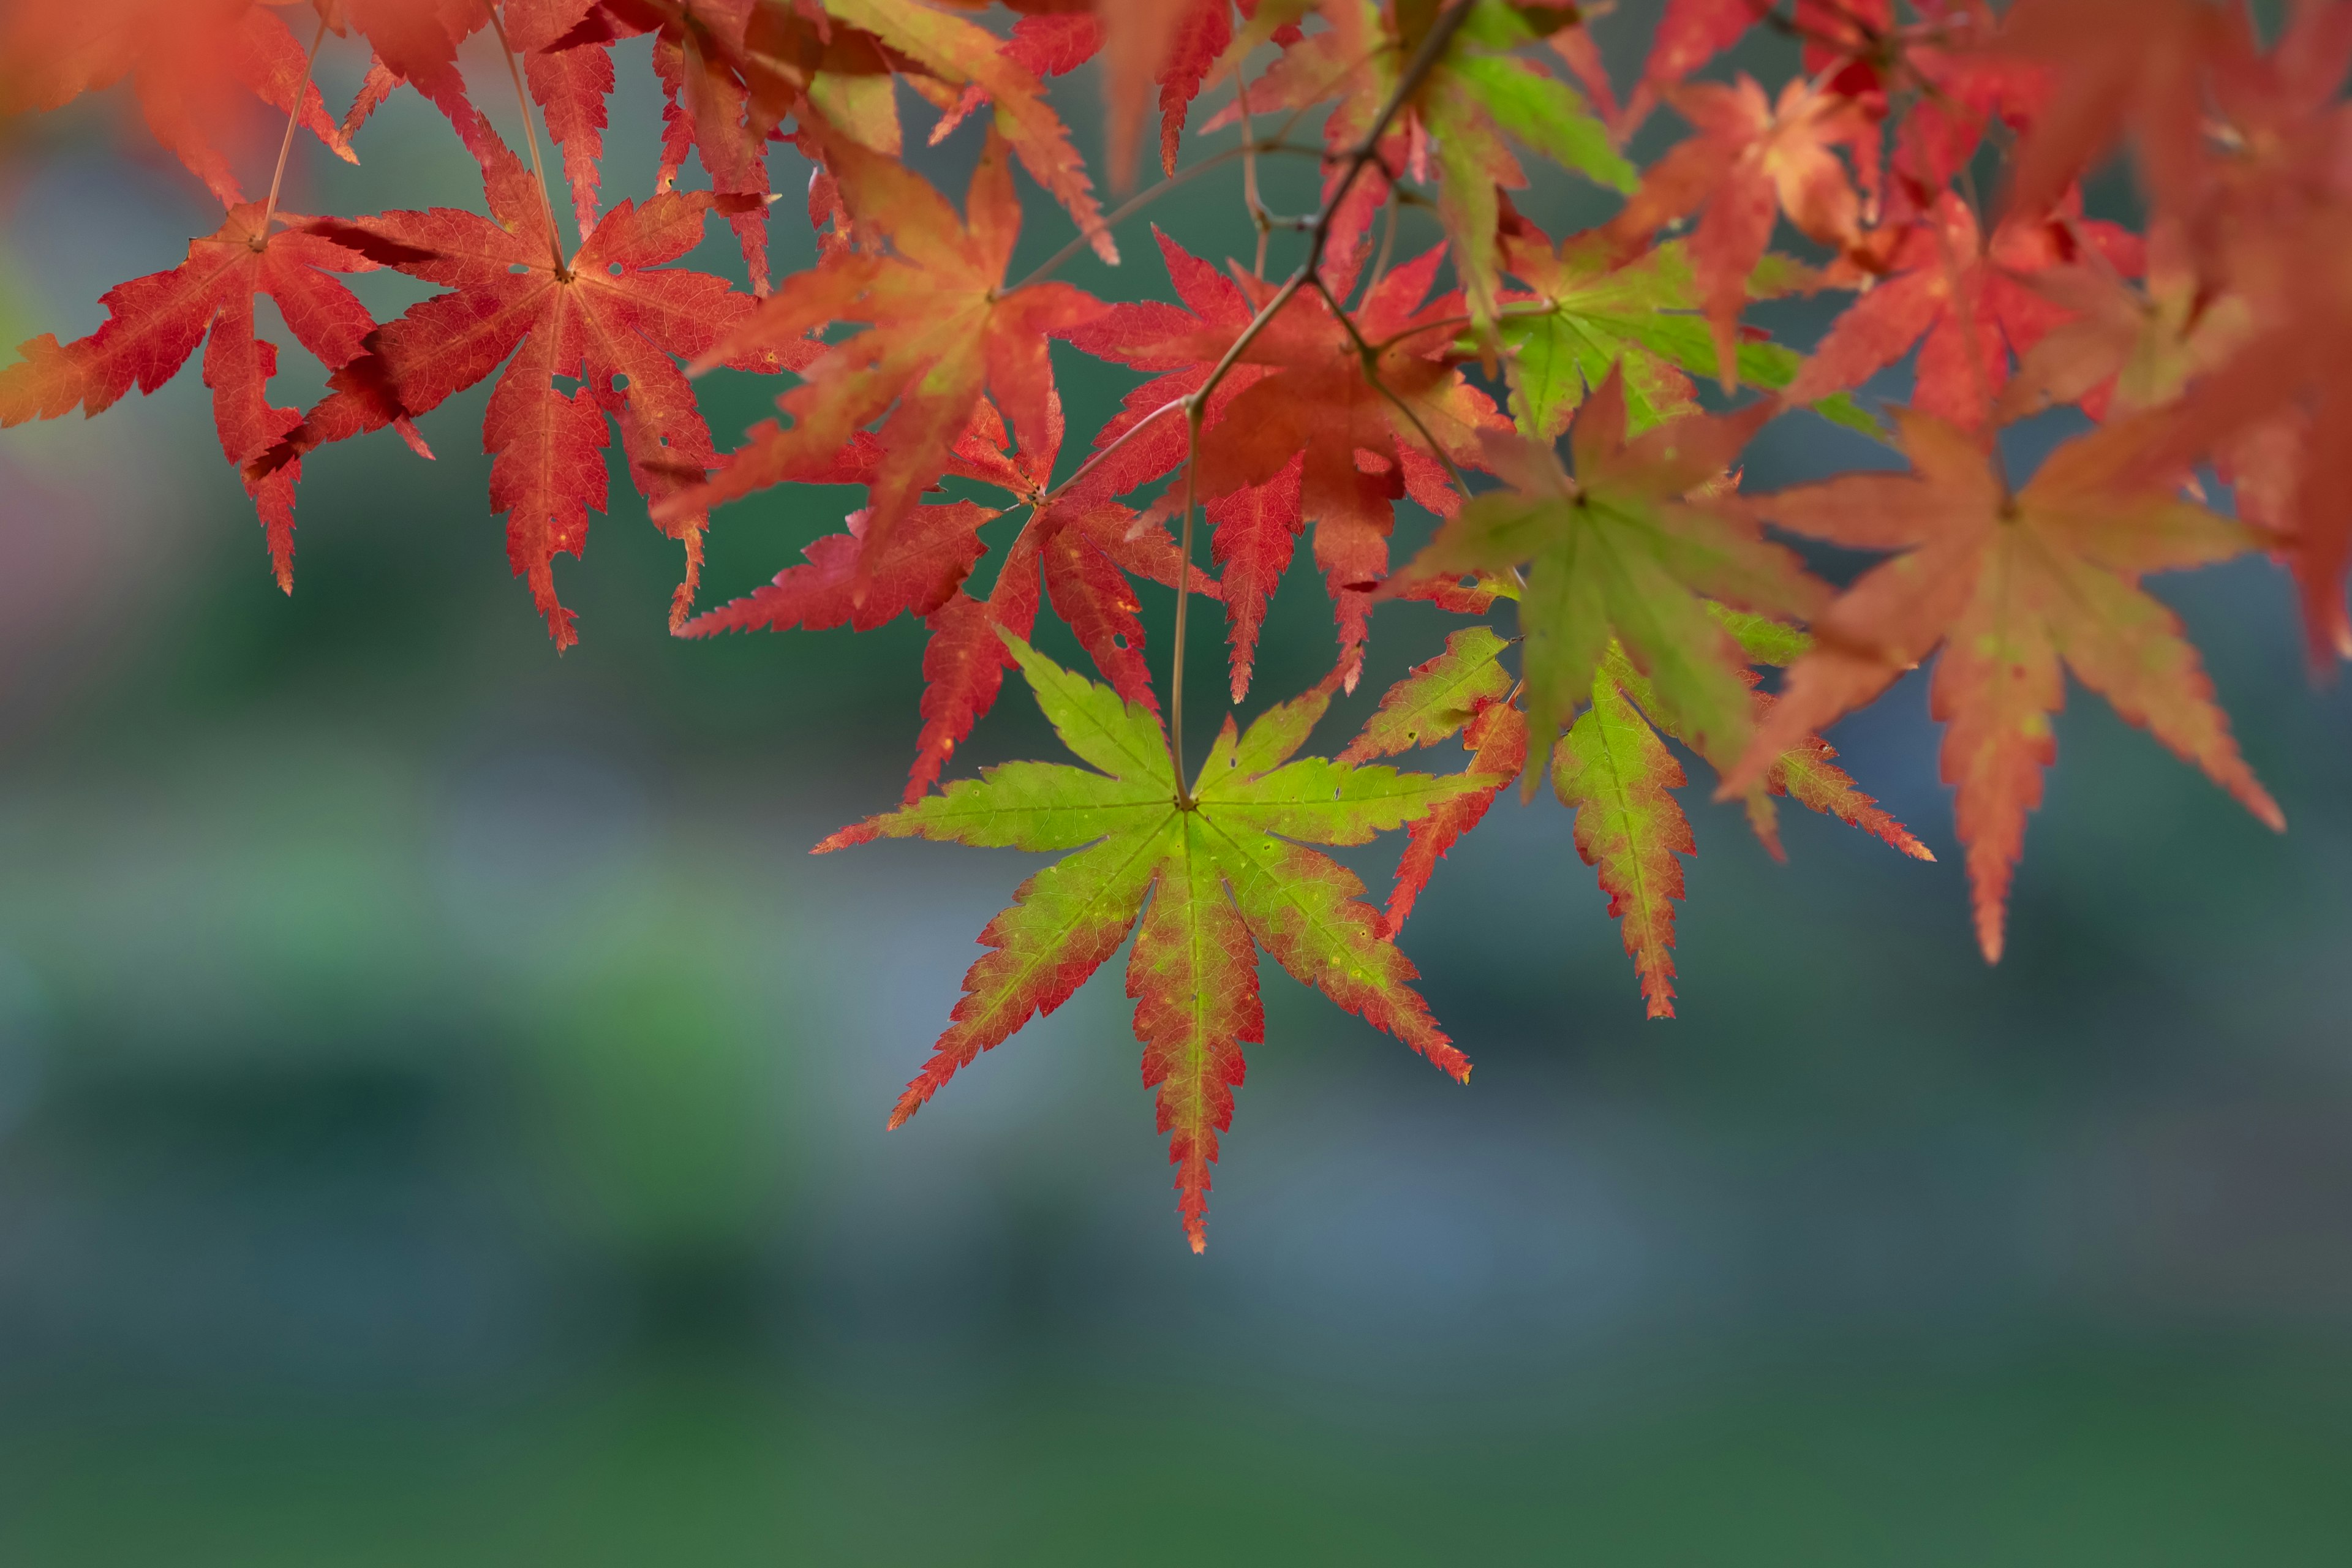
<point x="1572" y="410"/>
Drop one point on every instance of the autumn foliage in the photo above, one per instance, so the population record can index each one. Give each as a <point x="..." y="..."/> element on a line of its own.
<point x="1571" y="409"/>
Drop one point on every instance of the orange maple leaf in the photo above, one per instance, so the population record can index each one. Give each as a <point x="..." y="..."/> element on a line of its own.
<point x="2010" y="587"/>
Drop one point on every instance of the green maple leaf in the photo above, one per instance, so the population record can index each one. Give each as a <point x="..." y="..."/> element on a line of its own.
<point x="1211" y="882"/>
<point x="1632" y="547"/>
<point x="1612" y="768"/>
<point x="1643" y="316"/>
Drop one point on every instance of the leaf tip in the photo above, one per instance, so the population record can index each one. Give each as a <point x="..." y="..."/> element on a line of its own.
<point x="847" y="839"/>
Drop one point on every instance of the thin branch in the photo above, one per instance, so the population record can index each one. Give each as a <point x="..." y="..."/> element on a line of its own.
<point x="260" y="240"/>
<point x="1193" y="414"/>
<point x="1424" y="59"/>
<point x="1142" y="199"/>
<point x="1371" y="357"/>
<point x="1513" y="311"/>
<point x="530" y="140"/>
<point x="1259" y="217"/>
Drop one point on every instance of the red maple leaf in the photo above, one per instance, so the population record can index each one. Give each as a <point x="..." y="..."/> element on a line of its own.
<point x="155" y="324"/>
<point x="1169" y="44"/>
<point x="1298" y="431"/>
<point x="1084" y="544"/>
<point x="195" y="65"/>
<point x="943" y="333"/>
<point x="1946" y="285"/>
<point x="611" y="316"/>
<point x="2118" y="67"/>
<point x="1751" y="160"/>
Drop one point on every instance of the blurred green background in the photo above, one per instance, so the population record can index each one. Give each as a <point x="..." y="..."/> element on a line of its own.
<point x="441" y="1102"/>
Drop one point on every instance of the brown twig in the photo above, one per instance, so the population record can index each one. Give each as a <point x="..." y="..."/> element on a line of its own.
<point x="1370" y="356"/>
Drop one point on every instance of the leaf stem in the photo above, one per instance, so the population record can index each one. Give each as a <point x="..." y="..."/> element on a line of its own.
<point x="1195" y="405"/>
<point x="1192" y="416"/>
<point x="260" y="240"/>
<point x="1144" y="198"/>
<point x="530" y="140"/>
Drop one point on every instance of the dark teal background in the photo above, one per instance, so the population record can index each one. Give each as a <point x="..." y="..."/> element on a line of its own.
<point x="441" y="1102"/>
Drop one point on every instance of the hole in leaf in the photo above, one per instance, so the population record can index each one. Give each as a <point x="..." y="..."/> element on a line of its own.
<point x="615" y="267"/>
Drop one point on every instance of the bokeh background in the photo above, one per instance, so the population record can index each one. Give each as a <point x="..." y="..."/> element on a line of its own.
<point x="441" y="1100"/>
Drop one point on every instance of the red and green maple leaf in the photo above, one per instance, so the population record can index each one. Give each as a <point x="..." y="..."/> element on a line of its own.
<point x="2013" y="588"/>
<point x="1204" y="884"/>
<point x="1591" y="312"/>
<point x="1612" y="769"/>
<point x="1615" y="771"/>
<point x="1464" y="690"/>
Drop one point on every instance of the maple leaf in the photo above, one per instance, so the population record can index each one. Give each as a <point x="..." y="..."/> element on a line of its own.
<point x="2009" y="587"/>
<point x="943" y="333"/>
<point x="195" y="65"/>
<point x="1752" y="158"/>
<point x="1591" y="313"/>
<point x="1692" y="32"/>
<point x="1614" y="772"/>
<point x="1947" y="287"/>
<point x="1082" y="545"/>
<point x="1298" y="431"/>
<point x="1172" y="44"/>
<point x="153" y="324"/>
<point x="2117" y="66"/>
<point x="1204" y="884"/>
<point x="2269" y="235"/>
<point x="571" y="77"/>
<point x="963" y="55"/>
<point x="2276" y="416"/>
<point x="1612" y="769"/>
<point x="927" y="561"/>
<point x="2126" y="347"/>
<point x="612" y="317"/>
<point x="1622" y="549"/>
